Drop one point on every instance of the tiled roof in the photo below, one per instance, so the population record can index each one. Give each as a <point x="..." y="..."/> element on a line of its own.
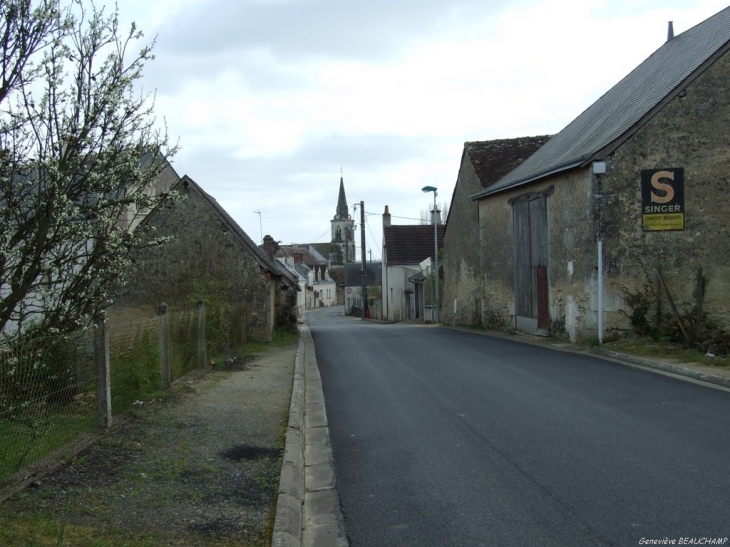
<point x="410" y="244"/>
<point x="492" y="160"/>
<point x="608" y="122"/>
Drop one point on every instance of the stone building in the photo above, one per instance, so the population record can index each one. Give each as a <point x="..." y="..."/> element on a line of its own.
<point x="482" y="164"/>
<point x="635" y="186"/>
<point x="208" y="255"/>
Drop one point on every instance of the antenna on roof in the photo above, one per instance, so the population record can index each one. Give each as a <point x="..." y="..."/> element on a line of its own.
<point x="670" y="31"/>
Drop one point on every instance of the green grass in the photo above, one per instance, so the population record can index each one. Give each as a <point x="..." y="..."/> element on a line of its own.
<point x="280" y="339"/>
<point x="646" y="347"/>
<point x="24" y="442"/>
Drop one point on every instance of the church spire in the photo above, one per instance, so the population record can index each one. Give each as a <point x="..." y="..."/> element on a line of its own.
<point x="342" y="202"/>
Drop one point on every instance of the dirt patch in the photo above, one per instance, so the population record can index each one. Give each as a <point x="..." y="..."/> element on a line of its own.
<point x="246" y="452"/>
<point x="199" y="468"/>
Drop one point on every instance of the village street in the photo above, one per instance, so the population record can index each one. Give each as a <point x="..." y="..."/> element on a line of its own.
<point x="442" y="437"/>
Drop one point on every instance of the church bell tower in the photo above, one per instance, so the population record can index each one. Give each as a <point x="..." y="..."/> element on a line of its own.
<point x="343" y="232"/>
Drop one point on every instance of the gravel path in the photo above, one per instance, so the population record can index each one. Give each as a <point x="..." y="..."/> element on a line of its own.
<point x="200" y="467"/>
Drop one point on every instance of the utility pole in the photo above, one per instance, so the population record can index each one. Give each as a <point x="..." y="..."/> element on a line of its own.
<point x="364" y="264"/>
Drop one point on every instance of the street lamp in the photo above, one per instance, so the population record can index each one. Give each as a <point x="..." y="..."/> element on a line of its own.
<point x="435" y="250"/>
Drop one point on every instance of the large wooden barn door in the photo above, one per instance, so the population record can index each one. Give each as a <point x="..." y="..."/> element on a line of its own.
<point x="530" y="255"/>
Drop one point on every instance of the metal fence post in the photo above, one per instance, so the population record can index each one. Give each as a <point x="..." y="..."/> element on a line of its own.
<point x="202" y="350"/>
<point x="164" y="347"/>
<point x="103" y="382"/>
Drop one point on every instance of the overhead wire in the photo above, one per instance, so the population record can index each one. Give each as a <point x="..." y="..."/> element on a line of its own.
<point x="320" y="237"/>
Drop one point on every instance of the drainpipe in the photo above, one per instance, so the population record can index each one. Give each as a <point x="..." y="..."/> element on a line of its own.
<point x="599" y="169"/>
<point x="600" y="291"/>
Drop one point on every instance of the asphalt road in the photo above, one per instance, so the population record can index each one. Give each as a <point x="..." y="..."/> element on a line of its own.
<point x="447" y="438"/>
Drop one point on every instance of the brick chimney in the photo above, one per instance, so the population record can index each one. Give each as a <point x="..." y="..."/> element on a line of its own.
<point x="269" y="245"/>
<point x="386" y="217"/>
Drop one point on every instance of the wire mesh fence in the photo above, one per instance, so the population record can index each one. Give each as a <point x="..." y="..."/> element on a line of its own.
<point x="53" y="389"/>
<point x="46" y="396"/>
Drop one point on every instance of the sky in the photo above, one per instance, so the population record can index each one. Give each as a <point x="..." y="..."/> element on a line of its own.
<point x="272" y="101"/>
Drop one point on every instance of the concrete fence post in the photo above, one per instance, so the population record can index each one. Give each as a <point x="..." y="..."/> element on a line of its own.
<point x="202" y="349"/>
<point x="103" y="381"/>
<point x="164" y="347"/>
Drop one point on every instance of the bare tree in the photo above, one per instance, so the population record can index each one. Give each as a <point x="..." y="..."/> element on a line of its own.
<point x="79" y="150"/>
<point x="443" y="211"/>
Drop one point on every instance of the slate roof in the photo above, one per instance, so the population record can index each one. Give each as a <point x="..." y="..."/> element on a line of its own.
<point x="627" y="106"/>
<point x="310" y="256"/>
<point x="266" y="262"/>
<point x="410" y="244"/>
<point x="294" y="271"/>
<point x="342" y="211"/>
<point x="494" y="159"/>
<point x="323" y="249"/>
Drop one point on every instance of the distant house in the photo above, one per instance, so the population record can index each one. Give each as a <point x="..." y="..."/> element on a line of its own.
<point x="165" y="180"/>
<point x="302" y="274"/>
<point x="482" y="164"/>
<point x="209" y="256"/>
<point x="353" y="288"/>
<point x="323" y="287"/>
<point x="405" y="247"/>
<point x="631" y="191"/>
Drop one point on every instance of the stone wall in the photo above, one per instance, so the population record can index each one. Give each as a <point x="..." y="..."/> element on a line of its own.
<point x="692" y="132"/>
<point x="571" y="266"/>
<point x="202" y="258"/>
<point x="461" y="304"/>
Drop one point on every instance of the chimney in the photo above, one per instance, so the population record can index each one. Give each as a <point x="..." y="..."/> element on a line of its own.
<point x="269" y="245"/>
<point x="435" y="216"/>
<point x="386" y="217"/>
<point x="670" y="31"/>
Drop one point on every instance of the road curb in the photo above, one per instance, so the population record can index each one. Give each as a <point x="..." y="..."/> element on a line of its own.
<point x="666" y="367"/>
<point x="322" y="520"/>
<point x="288" y="520"/>
<point x="308" y="511"/>
<point x="602" y="352"/>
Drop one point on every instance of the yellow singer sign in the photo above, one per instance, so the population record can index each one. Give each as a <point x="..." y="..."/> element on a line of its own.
<point x="662" y="199"/>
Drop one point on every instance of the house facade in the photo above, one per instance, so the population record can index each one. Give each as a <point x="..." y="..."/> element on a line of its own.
<point x="628" y="195"/>
<point x="353" y="288"/>
<point x="322" y="287"/>
<point x="482" y="164"/>
<point x="405" y="248"/>
<point x="207" y="255"/>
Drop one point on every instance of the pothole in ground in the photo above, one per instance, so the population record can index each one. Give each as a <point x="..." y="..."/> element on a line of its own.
<point x="248" y="452"/>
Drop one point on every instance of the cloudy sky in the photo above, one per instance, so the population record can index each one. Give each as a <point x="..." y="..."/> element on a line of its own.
<point x="272" y="99"/>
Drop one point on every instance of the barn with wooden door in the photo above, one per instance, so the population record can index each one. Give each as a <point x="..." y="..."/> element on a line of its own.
<point x="630" y="191"/>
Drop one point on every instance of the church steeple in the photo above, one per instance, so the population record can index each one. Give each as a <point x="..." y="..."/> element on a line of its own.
<point x="342" y="203"/>
<point x="342" y="244"/>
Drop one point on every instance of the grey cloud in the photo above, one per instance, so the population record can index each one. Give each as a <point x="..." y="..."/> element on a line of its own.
<point x="329" y="28"/>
